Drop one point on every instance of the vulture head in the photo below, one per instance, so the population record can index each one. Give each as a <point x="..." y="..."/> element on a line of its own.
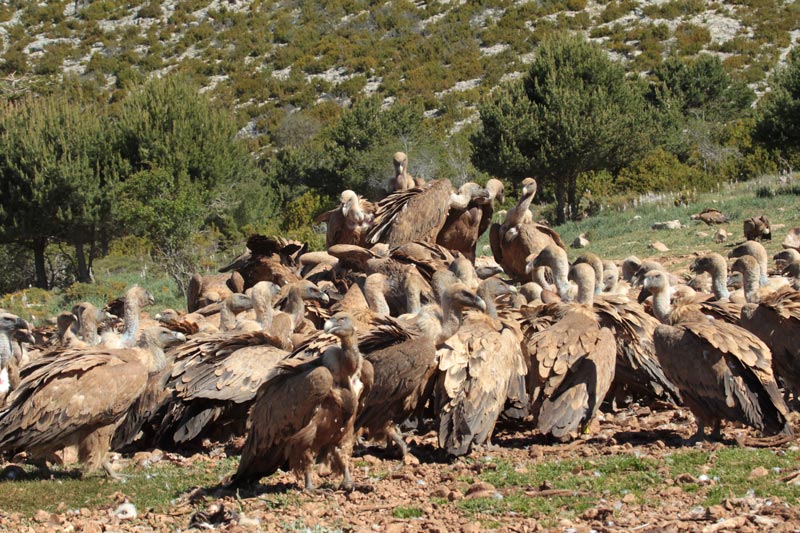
<point x="467" y="193"/>
<point x="167" y="315"/>
<point x="493" y="287"/>
<point x="237" y="302"/>
<point x="140" y="296"/>
<point x="532" y="291"/>
<point x="351" y="207"/>
<point x="757" y="250"/>
<point x="528" y="187"/>
<point x="654" y="282"/>
<point x="495" y="189"/>
<point x="461" y="297"/>
<point x="550" y="255"/>
<point x="584" y="277"/>
<point x="400" y="161"/>
<point x="786" y="257"/>
<point x="341" y="324"/>
<point x="12" y="325"/>
<point x="710" y="263"/>
<point x="610" y="275"/>
<point x="629" y="267"/>
<point x="309" y="291"/>
<point x="64" y="321"/>
<point x="645" y="267"/>
<point x="163" y="337"/>
<point x="747" y="266"/>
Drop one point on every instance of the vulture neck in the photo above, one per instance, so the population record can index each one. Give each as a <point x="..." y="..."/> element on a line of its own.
<point x="585" y="294"/>
<point x="227" y="317"/>
<point x="131" y="320"/>
<point x="88" y="326"/>
<point x="376" y="299"/>
<point x="264" y="312"/>
<point x="157" y="359"/>
<point x="413" y="296"/>
<point x="6" y="348"/>
<point x="452" y="316"/>
<point x="560" y="268"/>
<point x="750" y="285"/>
<point x="350" y="358"/>
<point x="762" y="266"/>
<point x="719" y="283"/>
<point x="488" y="293"/>
<point x="517" y="213"/>
<point x="661" y="305"/>
<point x="294" y="305"/>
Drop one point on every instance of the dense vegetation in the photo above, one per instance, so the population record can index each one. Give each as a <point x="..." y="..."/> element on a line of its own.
<point x="263" y="112"/>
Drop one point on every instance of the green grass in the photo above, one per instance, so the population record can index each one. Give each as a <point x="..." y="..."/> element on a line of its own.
<point x="154" y="488"/>
<point x="612" y="478"/>
<point x="618" y="234"/>
<point x="407" y="512"/>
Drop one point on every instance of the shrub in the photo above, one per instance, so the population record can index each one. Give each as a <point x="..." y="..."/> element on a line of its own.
<point x="659" y="171"/>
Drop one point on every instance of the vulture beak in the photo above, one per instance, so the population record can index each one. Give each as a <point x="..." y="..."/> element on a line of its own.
<point x="480" y="303"/>
<point x="26" y="336"/>
<point x="345" y="208"/>
<point x="512" y="289"/>
<point x="643" y="294"/>
<point x="330" y="326"/>
<point x="325" y="298"/>
<point x="180" y="336"/>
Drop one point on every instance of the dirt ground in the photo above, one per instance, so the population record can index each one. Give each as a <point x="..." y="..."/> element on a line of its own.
<point x="394" y="497"/>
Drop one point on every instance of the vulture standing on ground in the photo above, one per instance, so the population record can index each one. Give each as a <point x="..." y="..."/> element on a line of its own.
<point x="348" y="223"/>
<point x="723" y="371"/>
<point x="775" y="319"/>
<point x="516" y="239"/>
<point x="216" y="380"/>
<point x="80" y="397"/>
<point x="481" y="366"/>
<point x="404" y="360"/>
<point x="304" y="414"/>
<point x="416" y="214"/>
<point x="464" y="227"/>
<point x="572" y="363"/>
<point x="757" y="228"/>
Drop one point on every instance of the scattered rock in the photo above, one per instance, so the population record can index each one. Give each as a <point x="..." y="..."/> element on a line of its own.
<point x="720" y="236"/>
<point x="659" y="246"/>
<point x="580" y="241"/>
<point x="670" y="225"/>
<point x="125" y="511"/>
<point x="758" y="472"/>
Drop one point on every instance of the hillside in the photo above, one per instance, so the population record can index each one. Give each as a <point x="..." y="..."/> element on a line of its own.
<point x="271" y="58"/>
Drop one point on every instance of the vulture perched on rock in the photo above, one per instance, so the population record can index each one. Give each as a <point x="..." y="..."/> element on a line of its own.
<point x="572" y="362"/>
<point x="404" y="360"/>
<point x="481" y="367"/>
<point x="464" y="226"/>
<point x="305" y="413"/>
<point x="416" y="214"/>
<point x="348" y="223"/>
<point x="80" y="397"/>
<point x="517" y="238"/>
<point x="272" y="259"/>
<point x="723" y="371"/>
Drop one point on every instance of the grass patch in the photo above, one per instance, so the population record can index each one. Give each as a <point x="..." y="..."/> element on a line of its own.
<point x="153" y="489"/>
<point x="407" y="512"/>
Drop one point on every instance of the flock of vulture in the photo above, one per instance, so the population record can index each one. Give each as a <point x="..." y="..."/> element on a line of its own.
<point x="307" y="355"/>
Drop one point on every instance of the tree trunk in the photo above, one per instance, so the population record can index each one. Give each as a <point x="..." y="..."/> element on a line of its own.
<point x="83" y="270"/>
<point x="561" y="203"/>
<point x="39" y="246"/>
<point x="572" y="194"/>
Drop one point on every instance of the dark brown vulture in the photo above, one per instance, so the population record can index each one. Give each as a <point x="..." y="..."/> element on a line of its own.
<point x="464" y="226"/>
<point x="757" y="228"/>
<point x="304" y="414"/>
<point x="723" y="371"/>
<point x="710" y="216"/>
<point x="517" y="238"/>
<point x="272" y="259"/>
<point x="480" y="368"/>
<point x="404" y="362"/>
<point x="572" y="363"/>
<point x="349" y="222"/>
<point x="79" y="398"/>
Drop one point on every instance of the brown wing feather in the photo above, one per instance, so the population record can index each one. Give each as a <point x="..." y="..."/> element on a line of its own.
<point x="274" y="420"/>
<point x="417" y="214"/>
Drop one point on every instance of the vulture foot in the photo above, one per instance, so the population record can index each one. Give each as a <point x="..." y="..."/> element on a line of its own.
<point x="716" y="435"/>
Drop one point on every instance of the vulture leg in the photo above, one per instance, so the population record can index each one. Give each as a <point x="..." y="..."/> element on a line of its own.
<point x="93" y="452"/>
<point x="340" y="464"/>
<point x="113" y="475"/>
<point x="309" y="479"/>
<point x="700" y="435"/>
<point x="717" y="433"/>
<point x="41" y="464"/>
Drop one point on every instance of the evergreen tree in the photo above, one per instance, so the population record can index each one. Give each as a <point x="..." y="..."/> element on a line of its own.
<point x="574" y="112"/>
<point x="778" y="122"/>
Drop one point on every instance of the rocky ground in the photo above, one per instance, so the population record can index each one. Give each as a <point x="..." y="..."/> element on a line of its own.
<point x="633" y="471"/>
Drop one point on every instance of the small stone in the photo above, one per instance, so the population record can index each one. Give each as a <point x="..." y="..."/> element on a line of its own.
<point x="758" y="472"/>
<point x="715" y="512"/>
<point x="454" y="496"/>
<point x="629" y="498"/>
<point x="41" y="516"/>
<point x="440" y="492"/>
<point x="659" y="246"/>
<point x="580" y="241"/>
<point x="472" y="527"/>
